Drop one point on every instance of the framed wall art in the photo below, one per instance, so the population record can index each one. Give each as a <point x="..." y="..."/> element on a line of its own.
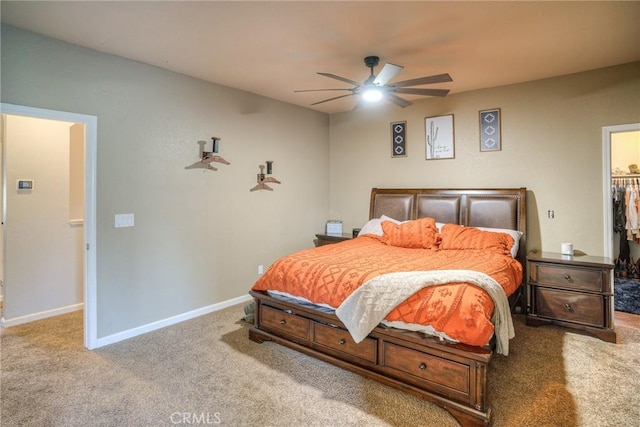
<point x="399" y="139"/>
<point x="440" y="138"/>
<point x="490" y="135"/>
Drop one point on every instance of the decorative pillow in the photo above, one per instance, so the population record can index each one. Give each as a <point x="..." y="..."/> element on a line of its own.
<point x="515" y="235"/>
<point x="458" y="237"/>
<point x="374" y="226"/>
<point x="419" y="234"/>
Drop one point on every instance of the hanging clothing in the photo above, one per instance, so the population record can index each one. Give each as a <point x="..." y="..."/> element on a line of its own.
<point x="626" y="212"/>
<point x="619" y="217"/>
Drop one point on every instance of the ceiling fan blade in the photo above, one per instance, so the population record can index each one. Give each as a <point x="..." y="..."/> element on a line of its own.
<point x="331" y="99"/>
<point x="317" y="90"/>
<point x="426" y="92"/>
<point x="388" y="72"/>
<point x="397" y="100"/>
<point x="438" y="78"/>
<point x="342" y="79"/>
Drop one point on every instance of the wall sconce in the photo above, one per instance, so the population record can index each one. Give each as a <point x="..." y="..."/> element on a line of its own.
<point x="211" y="156"/>
<point x="264" y="179"/>
<point x="208" y="157"/>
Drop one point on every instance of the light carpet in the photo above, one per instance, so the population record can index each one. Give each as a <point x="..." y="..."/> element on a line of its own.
<point x="206" y="371"/>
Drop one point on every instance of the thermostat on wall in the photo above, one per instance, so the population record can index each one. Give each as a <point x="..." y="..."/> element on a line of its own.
<point x="25" y="184"/>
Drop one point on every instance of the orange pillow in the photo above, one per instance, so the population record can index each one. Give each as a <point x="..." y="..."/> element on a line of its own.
<point x="419" y="234"/>
<point x="458" y="237"/>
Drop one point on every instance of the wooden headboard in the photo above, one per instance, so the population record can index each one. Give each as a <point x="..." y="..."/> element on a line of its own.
<point x="495" y="208"/>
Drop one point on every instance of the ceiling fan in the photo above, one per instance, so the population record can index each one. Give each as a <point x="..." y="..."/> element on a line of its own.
<point x="377" y="87"/>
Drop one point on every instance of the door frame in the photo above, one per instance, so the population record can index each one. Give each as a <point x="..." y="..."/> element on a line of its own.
<point x="607" y="131"/>
<point x="89" y="220"/>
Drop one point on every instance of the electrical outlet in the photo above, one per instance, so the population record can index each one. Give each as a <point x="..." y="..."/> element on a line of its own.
<point x="260" y="269"/>
<point x="551" y="214"/>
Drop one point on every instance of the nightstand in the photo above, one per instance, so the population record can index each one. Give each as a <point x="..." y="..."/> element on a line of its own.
<point x="328" y="239"/>
<point x="572" y="291"/>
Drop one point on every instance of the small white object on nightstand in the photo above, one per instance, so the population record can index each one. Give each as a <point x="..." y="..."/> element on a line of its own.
<point x="566" y="249"/>
<point x="334" y="227"/>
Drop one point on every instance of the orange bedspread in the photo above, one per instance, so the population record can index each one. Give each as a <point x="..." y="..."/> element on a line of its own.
<point x="329" y="274"/>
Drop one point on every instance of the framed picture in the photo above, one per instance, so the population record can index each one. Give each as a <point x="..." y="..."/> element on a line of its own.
<point x="399" y="139"/>
<point x="490" y="139"/>
<point x="439" y="137"/>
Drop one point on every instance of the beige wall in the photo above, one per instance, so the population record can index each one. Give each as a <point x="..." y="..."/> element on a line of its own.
<point x="625" y="151"/>
<point x="44" y="252"/>
<point x="76" y="172"/>
<point x="3" y="136"/>
<point x="199" y="235"/>
<point x="551" y="144"/>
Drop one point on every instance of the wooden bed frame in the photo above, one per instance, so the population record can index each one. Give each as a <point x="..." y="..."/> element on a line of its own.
<point x="453" y="376"/>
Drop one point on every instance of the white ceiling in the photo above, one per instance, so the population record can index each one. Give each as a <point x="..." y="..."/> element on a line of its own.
<point x="272" y="48"/>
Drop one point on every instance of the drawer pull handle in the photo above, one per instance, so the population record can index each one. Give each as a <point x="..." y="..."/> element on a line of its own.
<point x="422" y="366"/>
<point x="567" y="277"/>
<point x="288" y="311"/>
<point x="282" y="321"/>
<point x="341" y="342"/>
<point x="568" y="307"/>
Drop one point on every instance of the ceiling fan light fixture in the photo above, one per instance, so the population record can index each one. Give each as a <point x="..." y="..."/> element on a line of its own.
<point x="377" y="87"/>
<point x="373" y="94"/>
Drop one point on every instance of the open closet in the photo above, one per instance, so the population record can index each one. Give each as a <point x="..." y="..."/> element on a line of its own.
<point x="625" y="191"/>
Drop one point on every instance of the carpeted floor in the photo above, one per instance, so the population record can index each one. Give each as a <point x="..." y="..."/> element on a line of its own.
<point x="627" y="295"/>
<point x="206" y="371"/>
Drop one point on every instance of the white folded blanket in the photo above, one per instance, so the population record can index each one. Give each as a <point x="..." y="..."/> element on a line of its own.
<point x="364" y="309"/>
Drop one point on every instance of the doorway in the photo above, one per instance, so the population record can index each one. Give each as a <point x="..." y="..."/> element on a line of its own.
<point x="621" y="180"/>
<point x="630" y="132"/>
<point x="88" y="125"/>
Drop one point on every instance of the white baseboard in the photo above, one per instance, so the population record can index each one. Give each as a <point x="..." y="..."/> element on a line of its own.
<point x="120" y="336"/>
<point x="5" y="323"/>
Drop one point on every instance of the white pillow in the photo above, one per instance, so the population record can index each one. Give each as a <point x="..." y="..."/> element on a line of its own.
<point x="515" y="234"/>
<point x="388" y="218"/>
<point x="374" y="226"/>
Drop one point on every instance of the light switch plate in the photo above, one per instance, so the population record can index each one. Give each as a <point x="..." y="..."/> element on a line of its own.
<point x="124" y="220"/>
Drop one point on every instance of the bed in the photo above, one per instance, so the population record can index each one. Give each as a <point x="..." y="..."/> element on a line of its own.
<point x="449" y="368"/>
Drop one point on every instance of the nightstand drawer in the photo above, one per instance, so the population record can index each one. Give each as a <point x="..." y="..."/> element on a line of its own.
<point x="340" y="340"/>
<point x="570" y="306"/>
<point x="289" y="323"/>
<point x="568" y="277"/>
